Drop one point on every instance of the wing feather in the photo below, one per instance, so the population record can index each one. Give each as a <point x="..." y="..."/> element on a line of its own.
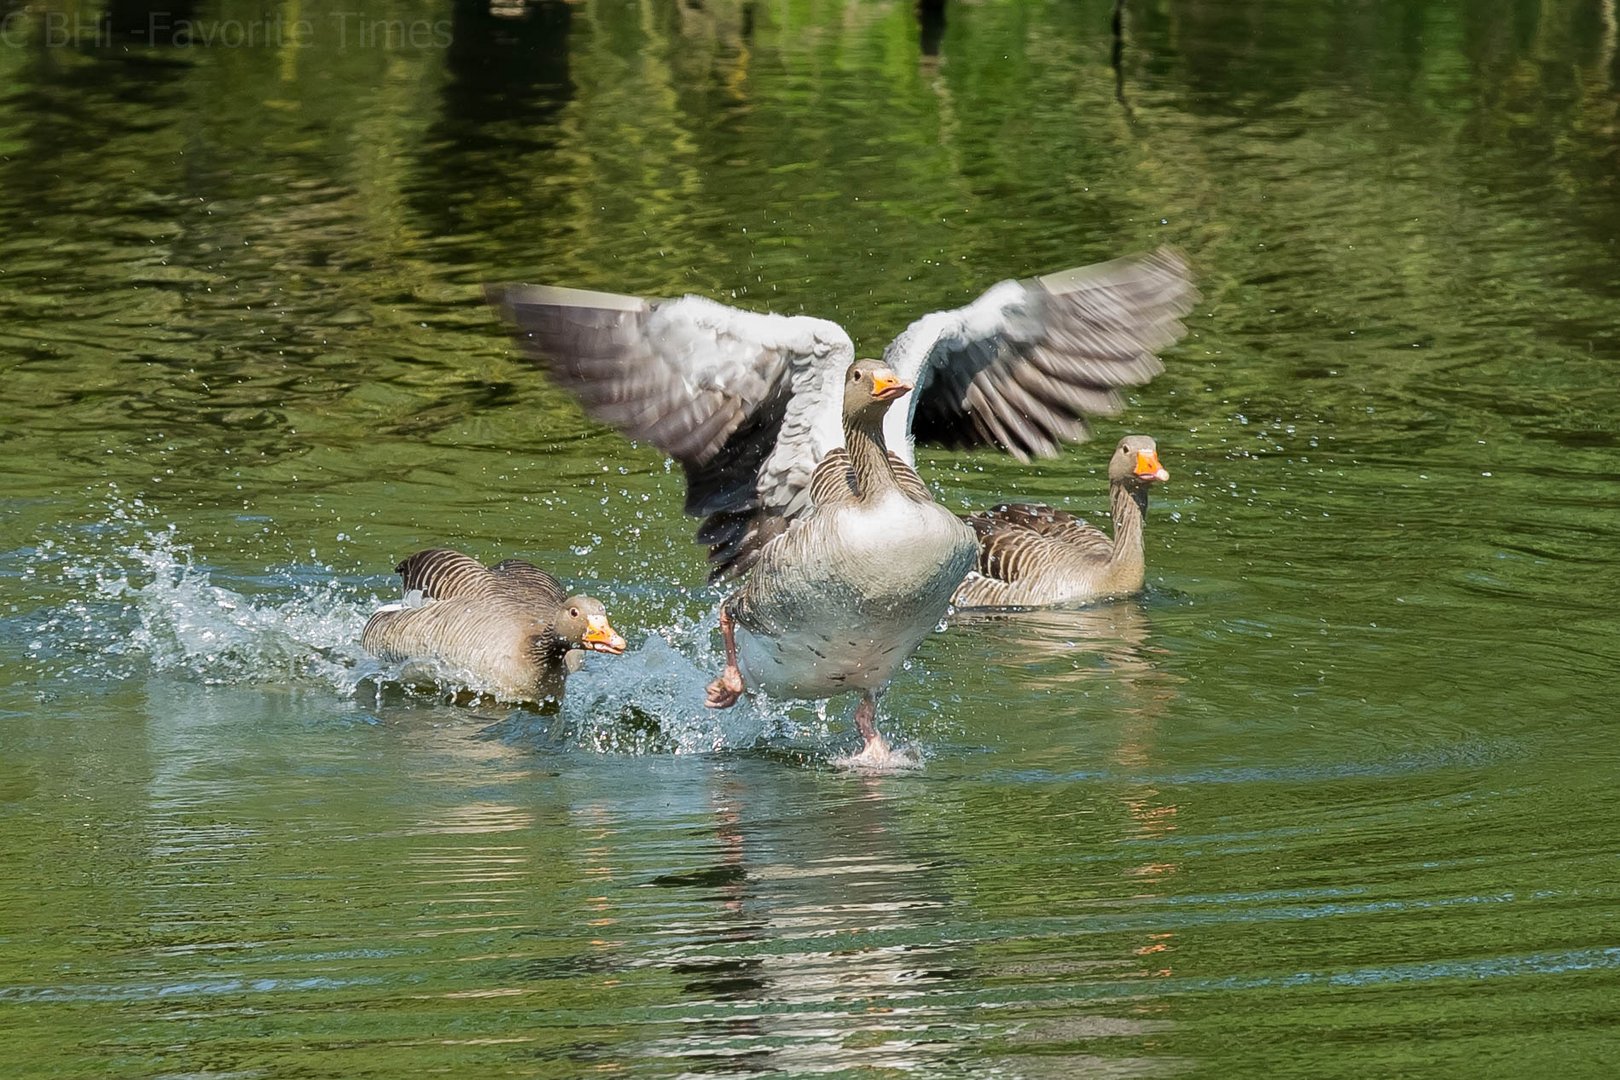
<point x="442" y="574"/>
<point x="528" y="583"/>
<point x="1017" y="540"/>
<point x="911" y="484"/>
<point x="746" y="402"/>
<point x="495" y="624"/>
<point x="1025" y="364"/>
<point x="833" y="482"/>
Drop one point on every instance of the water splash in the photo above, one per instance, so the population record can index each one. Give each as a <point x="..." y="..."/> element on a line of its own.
<point x="650" y="701"/>
<point x="659" y="688"/>
<point x="149" y="604"/>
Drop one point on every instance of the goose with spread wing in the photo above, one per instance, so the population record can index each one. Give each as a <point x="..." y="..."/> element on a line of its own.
<point x="751" y="403"/>
<point x="510" y="630"/>
<point x="841" y="598"/>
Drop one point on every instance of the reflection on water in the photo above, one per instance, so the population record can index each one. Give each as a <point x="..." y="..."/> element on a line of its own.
<point x="792" y="957"/>
<point x="814" y="943"/>
<point x="1078" y="661"/>
<point x="1110" y="639"/>
<point x="1333" y="798"/>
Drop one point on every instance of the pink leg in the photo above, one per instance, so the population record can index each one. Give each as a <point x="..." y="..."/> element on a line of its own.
<point x="724" y="691"/>
<point x="866" y="723"/>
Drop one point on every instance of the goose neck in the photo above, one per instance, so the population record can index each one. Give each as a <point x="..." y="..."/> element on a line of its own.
<point x="1129" y="512"/>
<point x="869" y="457"/>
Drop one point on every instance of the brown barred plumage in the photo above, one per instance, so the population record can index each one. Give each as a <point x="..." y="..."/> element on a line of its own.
<point x="1032" y="555"/>
<point x="507" y="630"/>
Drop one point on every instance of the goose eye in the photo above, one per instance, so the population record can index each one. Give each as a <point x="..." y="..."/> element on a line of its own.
<point x="573" y="612"/>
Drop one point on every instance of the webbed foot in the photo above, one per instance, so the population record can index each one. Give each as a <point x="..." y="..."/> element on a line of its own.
<point x="726" y="690"/>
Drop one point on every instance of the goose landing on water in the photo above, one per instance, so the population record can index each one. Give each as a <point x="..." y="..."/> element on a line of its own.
<point x="750" y="404"/>
<point x="838" y="601"/>
<point x="1035" y="556"/>
<point x="510" y="631"/>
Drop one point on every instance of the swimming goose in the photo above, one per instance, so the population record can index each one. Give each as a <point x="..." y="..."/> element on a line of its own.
<point x="750" y="403"/>
<point x="1032" y="555"/>
<point x="509" y="630"/>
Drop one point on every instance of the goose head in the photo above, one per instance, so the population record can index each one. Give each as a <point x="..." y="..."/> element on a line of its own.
<point x="1136" y="463"/>
<point x="869" y="386"/>
<point x="583" y="624"/>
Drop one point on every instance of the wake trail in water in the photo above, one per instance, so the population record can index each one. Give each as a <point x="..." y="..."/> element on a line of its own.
<point x="149" y="605"/>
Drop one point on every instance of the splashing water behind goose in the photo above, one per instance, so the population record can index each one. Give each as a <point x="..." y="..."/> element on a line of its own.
<point x="151" y="604"/>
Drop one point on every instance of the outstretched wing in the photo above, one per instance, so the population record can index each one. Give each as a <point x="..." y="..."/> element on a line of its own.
<point x="1022" y="366"/>
<point x="748" y="403"/>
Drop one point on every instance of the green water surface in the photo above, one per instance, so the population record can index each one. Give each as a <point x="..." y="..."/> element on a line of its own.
<point x="1336" y="798"/>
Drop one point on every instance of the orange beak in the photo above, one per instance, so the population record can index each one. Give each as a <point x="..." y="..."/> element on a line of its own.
<point x="1148" y="467"/>
<point x="886" y="386"/>
<point x="600" y="637"/>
